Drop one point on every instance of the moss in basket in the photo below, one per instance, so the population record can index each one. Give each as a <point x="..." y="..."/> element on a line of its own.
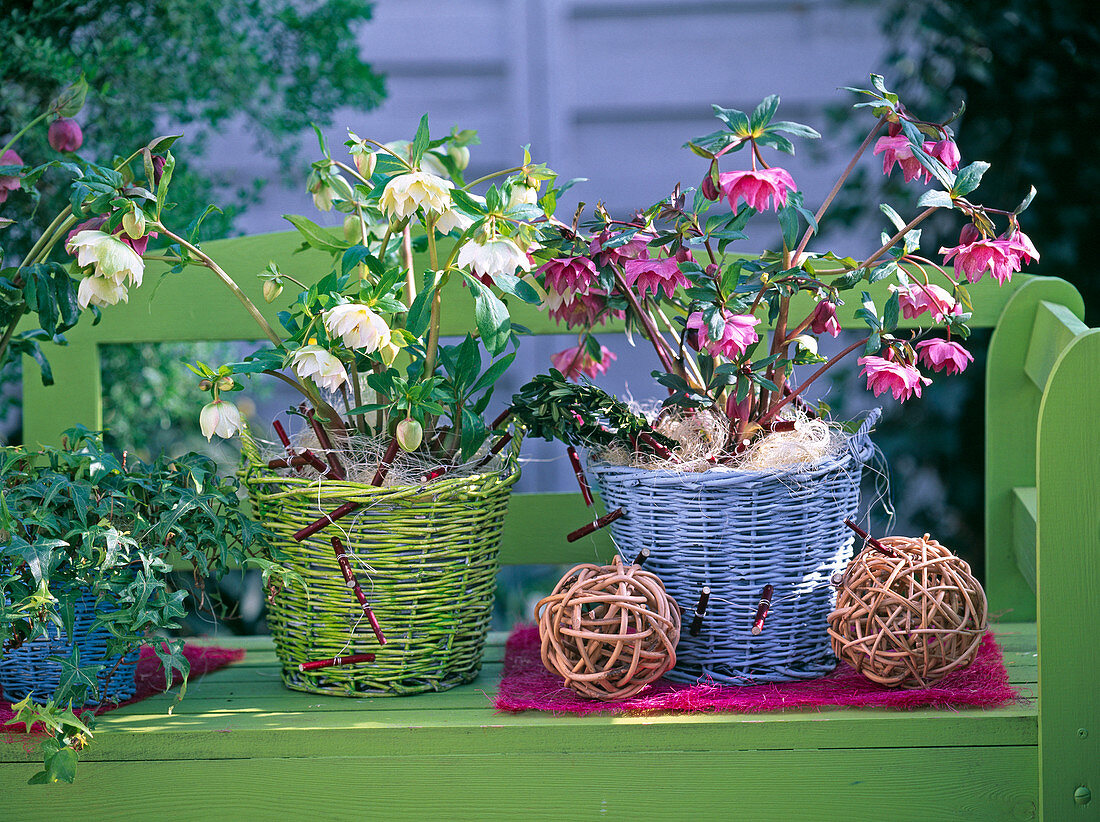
<point x="666" y="271"/>
<point x="75" y="522"/>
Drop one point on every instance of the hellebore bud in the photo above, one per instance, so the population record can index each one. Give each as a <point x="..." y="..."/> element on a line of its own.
<point x="133" y="223"/>
<point x="65" y="135"/>
<point x="410" y="434"/>
<point x="460" y="156"/>
<point x="272" y="289"/>
<point x="709" y="189"/>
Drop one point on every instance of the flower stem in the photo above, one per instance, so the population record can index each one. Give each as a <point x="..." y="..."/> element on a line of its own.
<point x="771" y="412"/>
<point x="468" y="186"/>
<point x="432" y="349"/>
<point x="651" y="330"/>
<point x="908" y="227"/>
<point x="229" y="282"/>
<point x="24" y="130"/>
<point x="838" y="185"/>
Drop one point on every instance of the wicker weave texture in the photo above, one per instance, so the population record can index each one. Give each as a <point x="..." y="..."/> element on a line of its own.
<point x="735" y="532"/>
<point x="427" y="561"/>
<point x="910" y="619"/>
<point x="28" y="668"/>
<point x="608" y="630"/>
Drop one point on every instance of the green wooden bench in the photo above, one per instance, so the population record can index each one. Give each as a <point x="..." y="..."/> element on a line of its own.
<point x="242" y="746"/>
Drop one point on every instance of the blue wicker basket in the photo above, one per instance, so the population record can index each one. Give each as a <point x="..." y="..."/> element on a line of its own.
<point x="28" y="668"/>
<point x="735" y="532"/>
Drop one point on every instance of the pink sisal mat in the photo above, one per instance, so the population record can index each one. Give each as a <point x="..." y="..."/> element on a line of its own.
<point x="149" y="678"/>
<point x="527" y="685"/>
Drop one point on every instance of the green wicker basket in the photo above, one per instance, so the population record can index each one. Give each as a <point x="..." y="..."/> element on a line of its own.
<point x="432" y="554"/>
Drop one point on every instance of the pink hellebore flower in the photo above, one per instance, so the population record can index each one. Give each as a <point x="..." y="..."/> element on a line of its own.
<point x="1021" y="246"/>
<point x="944" y="355"/>
<point x="568" y="274"/>
<point x="579" y="310"/>
<point x="572" y="362"/>
<point x="65" y="135"/>
<point x="823" y="320"/>
<point x="943" y="150"/>
<point x="902" y="380"/>
<point x="761" y="188"/>
<point x="9" y="182"/>
<point x="898" y="150"/>
<point x="631" y="250"/>
<point x="916" y="298"/>
<point x="999" y="256"/>
<point x="737" y="335"/>
<point x="652" y="276"/>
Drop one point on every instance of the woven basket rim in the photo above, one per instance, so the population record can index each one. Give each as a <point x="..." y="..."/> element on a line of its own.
<point x="854" y="448"/>
<point x="256" y="473"/>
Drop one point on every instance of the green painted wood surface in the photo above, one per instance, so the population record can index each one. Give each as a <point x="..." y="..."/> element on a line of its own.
<point x="1011" y="420"/>
<point x="1068" y="576"/>
<point x="1024" y="506"/>
<point x="548" y="782"/>
<point x="242" y="746"/>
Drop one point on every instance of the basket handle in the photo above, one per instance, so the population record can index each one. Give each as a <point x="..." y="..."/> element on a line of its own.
<point x="860" y="444"/>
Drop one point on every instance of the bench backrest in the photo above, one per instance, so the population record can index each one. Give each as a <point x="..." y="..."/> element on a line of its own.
<point x="195" y="306"/>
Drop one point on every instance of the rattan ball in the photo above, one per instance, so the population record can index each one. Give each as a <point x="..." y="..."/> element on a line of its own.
<point x="608" y="630"/>
<point x="909" y="619"/>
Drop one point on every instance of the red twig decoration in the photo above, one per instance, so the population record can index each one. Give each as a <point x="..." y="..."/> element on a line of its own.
<point x="327" y="519"/>
<point x="595" y="525"/>
<point x="878" y="546"/>
<point x="336" y="468"/>
<point x="700" y="611"/>
<point x="586" y="492"/>
<point x="762" y="609"/>
<point x="386" y="463"/>
<point x="353" y="583"/>
<point x="335" y="662"/>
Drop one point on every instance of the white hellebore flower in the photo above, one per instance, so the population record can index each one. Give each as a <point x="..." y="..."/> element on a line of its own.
<point x="315" y="363"/>
<point x="522" y="195"/>
<point x="358" y="326"/>
<point x="101" y="292"/>
<point x="405" y="193"/>
<point x="112" y="258"/>
<point x="492" y="258"/>
<point x="450" y="219"/>
<point x="221" y="418"/>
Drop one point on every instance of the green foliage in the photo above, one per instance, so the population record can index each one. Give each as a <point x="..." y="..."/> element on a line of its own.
<point x="551" y="407"/>
<point x="273" y="67"/>
<point x="77" y="521"/>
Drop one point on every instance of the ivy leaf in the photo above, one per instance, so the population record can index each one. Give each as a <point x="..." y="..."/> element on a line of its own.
<point x="76" y="681"/>
<point x="61" y="767"/>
